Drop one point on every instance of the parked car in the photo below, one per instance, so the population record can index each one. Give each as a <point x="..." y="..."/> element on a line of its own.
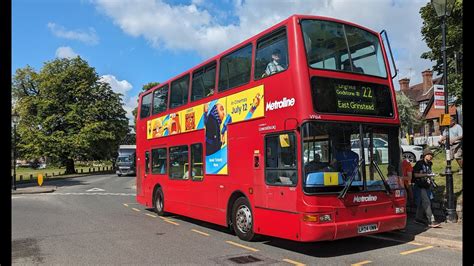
<point x="410" y="152"/>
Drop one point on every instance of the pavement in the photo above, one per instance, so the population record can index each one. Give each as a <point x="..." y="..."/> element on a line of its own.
<point x="449" y="235"/>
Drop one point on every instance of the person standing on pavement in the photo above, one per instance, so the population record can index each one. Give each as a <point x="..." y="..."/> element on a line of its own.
<point x="455" y="141"/>
<point x="422" y="174"/>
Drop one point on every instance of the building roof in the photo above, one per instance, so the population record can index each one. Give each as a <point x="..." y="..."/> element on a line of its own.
<point x="417" y="94"/>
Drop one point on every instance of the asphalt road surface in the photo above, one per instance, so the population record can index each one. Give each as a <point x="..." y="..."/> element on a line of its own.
<point x="96" y="220"/>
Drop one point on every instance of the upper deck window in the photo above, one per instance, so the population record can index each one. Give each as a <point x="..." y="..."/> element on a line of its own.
<point x="235" y="68"/>
<point x="340" y="47"/>
<point x="272" y="54"/>
<point x="145" y="107"/>
<point x="204" y="82"/>
<point x="179" y="92"/>
<point x="160" y="100"/>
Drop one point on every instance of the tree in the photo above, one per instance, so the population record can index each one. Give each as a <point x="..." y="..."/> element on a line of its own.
<point x="431" y="32"/>
<point x="67" y="113"/>
<point x="408" y="113"/>
<point x="145" y="87"/>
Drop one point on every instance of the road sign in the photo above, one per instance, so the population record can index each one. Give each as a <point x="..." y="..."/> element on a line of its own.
<point x="439" y="96"/>
<point x="40" y="179"/>
<point x="444" y="120"/>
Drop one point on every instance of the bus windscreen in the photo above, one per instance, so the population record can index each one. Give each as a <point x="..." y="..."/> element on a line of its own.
<point x="339" y="96"/>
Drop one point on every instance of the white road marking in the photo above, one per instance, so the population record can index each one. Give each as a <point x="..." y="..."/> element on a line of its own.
<point x="95" y="189"/>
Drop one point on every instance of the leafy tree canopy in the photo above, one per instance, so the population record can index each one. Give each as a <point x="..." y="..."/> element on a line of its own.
<point x="67" y="113"/>
<point x="431" y="32"/>
<point x="408" y="113"/>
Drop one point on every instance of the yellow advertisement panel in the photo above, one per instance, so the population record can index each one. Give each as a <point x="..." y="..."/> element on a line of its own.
<point x="246" y="105"/>
<point x="193" y="118"/>
<point x="238" y="107"/>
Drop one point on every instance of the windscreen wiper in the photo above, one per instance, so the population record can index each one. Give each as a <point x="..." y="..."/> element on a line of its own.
<point x="387" y="187"/>
<point x="351" y="179"/>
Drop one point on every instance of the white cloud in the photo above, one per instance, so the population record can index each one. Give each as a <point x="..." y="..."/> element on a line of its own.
<point x="88" y="37"/>
<point x="118" y="86"/>
<point x="65" y="52"/>
<point x="130" y="104"/>
<point x="191" y="27"/>
<point x="122" y="87"/>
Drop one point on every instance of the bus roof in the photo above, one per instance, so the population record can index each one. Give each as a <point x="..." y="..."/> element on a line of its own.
<point x="249" y="40"/>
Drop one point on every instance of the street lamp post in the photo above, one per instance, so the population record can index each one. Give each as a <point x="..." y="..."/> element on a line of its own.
<point x="15" y="119"/>
<point x="443" y="9"/>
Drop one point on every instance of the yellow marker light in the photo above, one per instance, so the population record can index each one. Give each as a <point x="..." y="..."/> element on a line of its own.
<point x="250" y="190"/>
<point x="310" y="218"/>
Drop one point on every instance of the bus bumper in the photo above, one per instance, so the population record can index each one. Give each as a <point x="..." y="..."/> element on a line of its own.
<point x="338" y="230"/>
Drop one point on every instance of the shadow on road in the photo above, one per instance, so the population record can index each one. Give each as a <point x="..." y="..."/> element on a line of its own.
<point x="322" y="249"/>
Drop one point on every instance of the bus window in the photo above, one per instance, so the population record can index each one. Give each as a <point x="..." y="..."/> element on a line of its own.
<point x="179" y="92"/>
<point x="235" y="68"/>
<point x="196" y="162"/>
<point x="204" y="81"/>
<point x="179" y="165"/>
<point x="147" y="162"/>
<point x="160" y="100"/>
<point x="158" y="157"/>
<point x="145" y="107"/>
<point x="280" y="160"/>
<point x="332" y="149"/>
<point x="334" y="46"/>
<point x="272" y="54"/>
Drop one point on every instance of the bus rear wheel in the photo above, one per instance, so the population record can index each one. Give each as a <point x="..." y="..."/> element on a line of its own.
<point x="242" y="219"/>
<point x="159" y="204"/>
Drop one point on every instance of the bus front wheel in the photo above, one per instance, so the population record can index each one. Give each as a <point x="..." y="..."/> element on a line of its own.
<point x="159" y="203"/>
<point x="242" y="219"/>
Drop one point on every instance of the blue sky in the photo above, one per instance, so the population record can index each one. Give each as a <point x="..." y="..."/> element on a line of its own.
<point x="133" y="42"/>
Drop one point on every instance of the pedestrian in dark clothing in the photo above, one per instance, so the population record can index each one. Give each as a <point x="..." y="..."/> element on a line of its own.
<point x="422" y="174"/>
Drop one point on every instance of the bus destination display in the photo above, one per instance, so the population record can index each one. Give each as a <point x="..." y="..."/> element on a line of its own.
<point x="353" y="98"/>
<point x="338" y="96"/>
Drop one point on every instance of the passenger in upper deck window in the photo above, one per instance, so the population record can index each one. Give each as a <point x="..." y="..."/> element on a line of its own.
<point x="274" y="66"/>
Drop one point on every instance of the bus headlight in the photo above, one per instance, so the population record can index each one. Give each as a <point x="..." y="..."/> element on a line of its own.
<point x="325" y="218"/>
<point x="399" y="210"/>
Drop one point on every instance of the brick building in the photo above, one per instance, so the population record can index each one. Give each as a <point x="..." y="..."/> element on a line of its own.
<point x="423" y="97"/>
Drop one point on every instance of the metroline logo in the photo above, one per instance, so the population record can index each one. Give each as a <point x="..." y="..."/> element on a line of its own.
<point x="365" y="198"/>
<point x="280" y="104"/>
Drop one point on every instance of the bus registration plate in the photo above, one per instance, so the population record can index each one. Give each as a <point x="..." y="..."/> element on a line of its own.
<point x="367" y="228"/>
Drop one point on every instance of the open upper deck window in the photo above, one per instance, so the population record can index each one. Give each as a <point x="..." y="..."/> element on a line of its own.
<point x="335" y="46"/>
<point x="145" y="107"/>
<point x="272" y="54"/>
<point x="204" y="82"/>
<point x="160" y="100"/>
<point x="235" y="68"/>
<point x="179" y="92"/>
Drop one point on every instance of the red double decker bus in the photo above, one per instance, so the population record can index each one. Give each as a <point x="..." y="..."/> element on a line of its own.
<point x="293" y="133"/>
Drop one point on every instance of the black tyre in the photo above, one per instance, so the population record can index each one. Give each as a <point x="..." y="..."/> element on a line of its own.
<point x="242" y="219"/>
<point x="409" y="156"/>
<point x="159" y="203"/>
<point x="119" y="174"/>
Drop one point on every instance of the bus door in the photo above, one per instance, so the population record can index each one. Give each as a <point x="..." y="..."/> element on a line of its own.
<point x="203" y="191"/>
<point x="177" y="190"/>
<point x="143" y="170"/>
<point x="281" y="171"/>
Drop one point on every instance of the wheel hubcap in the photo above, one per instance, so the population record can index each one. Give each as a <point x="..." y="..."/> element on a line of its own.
<point x="244" y="219"/>
<point x="159" y="203"/>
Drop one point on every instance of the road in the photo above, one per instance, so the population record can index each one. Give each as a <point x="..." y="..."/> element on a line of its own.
<point x="96" y="220"/>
